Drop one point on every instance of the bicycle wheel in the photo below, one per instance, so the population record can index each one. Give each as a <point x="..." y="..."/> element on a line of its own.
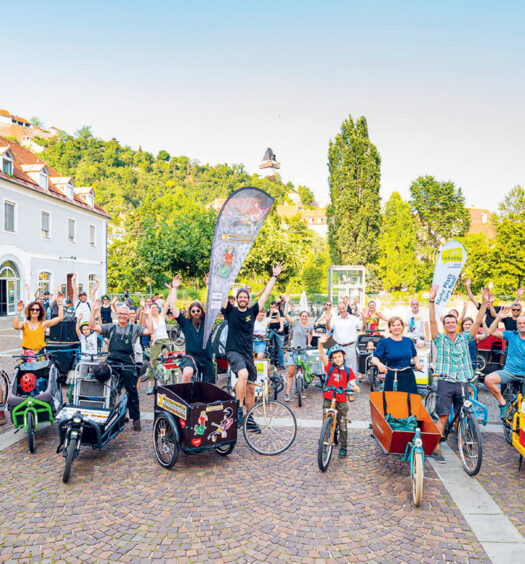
<point x="372" y="378"/>
<point x="430" y="404"/>
<point x="481" y="362"/>
<point x="325" y="445"/>
<point x="417" y="479"/>
<point x="469" y="443"/>
<point x="165" y="441"/>
<point x="4" y="389"/>
<point x="229" y="390"/>
<point x="509" y="397"/>
<point x="70" y="456"/>
<point x="30" y="431"/>
<point x="225" y="450"/>
<point x="277" y="424"/>
<point x="299" y="386"/>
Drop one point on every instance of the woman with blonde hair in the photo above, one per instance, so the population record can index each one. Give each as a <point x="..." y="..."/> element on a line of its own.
<point x="397" y="352"/>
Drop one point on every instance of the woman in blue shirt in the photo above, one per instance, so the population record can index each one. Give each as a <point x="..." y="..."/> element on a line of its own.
<point x="397" y="351"/>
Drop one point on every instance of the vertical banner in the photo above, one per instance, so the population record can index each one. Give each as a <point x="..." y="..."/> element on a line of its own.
<point x="451" y="259"/>
<point x="239" y="221"/>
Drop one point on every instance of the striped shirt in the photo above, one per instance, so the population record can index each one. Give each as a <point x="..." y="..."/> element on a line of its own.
<point x="453" y="362"/>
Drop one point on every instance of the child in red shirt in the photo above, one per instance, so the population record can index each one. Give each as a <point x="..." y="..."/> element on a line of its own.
<point x="339" y="376"/>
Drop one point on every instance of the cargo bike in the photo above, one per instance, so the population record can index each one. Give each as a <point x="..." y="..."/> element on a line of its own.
<point x="403" y="427"/>
<point x="96" y="413"/>
<point x="35" y="395"/>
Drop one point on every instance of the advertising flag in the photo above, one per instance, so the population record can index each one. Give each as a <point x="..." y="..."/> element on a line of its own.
<point x="238" y="224"/>
<point x="451" y="259"/>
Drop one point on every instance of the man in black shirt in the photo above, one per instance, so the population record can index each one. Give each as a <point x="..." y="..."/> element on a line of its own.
<point x="511" y="322"/>
<point x="494" y="310"/>
<point x="239" y="343"/>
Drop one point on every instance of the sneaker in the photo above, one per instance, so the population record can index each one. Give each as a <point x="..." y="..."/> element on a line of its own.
<point x="252" y="426"/>
<point x="287" y="397"/>
<point x="342" y="452"/>
<point x="149" y="390"/>
<point x="438" y="457"/>
<point x="504" y="411"/>
<point x="136" y="425"/>
<point x="2" y="418"/>
<point x="240" y="417"/>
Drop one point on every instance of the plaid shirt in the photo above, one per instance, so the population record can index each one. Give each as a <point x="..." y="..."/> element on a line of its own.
<point x="453" y="362"/>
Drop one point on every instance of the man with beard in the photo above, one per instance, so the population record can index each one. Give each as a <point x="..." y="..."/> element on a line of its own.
<point x="197" y="359"/>
<point x="239" y="343"/>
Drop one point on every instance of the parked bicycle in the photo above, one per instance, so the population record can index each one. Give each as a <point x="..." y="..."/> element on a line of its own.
<point x="511" y="393"/>
<point x="304" y="375"/>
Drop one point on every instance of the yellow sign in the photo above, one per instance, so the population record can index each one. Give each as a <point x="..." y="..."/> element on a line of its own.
<point x="171" y="405"/>
<point x="452" y="255"/>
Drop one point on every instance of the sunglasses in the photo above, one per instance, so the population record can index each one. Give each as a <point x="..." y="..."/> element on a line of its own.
<point x="196" y="310"/>
<point x="516" y="309"/>
<point x="35" y="309"/>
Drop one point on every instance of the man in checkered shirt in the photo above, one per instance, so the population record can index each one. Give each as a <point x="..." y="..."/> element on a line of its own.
<point x="453" y="364"/>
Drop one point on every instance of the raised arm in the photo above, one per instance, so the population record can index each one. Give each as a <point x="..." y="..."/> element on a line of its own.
<point x="487" y="298"/>
<point x="77" y="326"/>
<point x="92" y="323"/>
<point x="277" y="269"/>
<point x="114" y="304"/>
<point x="471" y="296"/>
<point x="56" y="320"/>
<point x="149" y="322"/>
<point x="492" y="330"/>
<point x="432" y="293"/>
<point x="287" y="309"/>
<point x="463" y="313"/>
<point x="74" y="287"/>
<point x="93" y="293"/>
<point x="18" y="322"/>
<point x="320" y="345"/>
<point x="171" y="301"/>
<point x="328" y="318"/>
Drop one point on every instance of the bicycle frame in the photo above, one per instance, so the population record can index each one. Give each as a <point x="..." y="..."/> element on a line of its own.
<point x="416" y="445"/>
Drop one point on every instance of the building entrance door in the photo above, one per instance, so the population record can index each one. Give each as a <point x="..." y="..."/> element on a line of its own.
<point x="9" y="288"/>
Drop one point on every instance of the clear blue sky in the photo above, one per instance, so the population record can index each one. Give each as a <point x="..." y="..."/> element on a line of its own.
<point x="442" y="84"/>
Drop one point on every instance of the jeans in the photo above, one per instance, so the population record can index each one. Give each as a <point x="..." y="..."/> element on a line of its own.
<point x="128" y="377"/>
<point x="279" y="342"/>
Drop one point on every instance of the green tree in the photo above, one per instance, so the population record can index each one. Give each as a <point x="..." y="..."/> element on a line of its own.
<point x="354" y="216"/>
<point x="163" y="156"/>
<point x="37" y="122"/>
<point x="398" y="265"/>
<point x="306" y="195"/>
<point x="481" y="264"/>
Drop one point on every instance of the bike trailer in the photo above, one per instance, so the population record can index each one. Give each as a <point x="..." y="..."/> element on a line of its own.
<point x="204" y="414"/>
<point x="424" y="376"/>
<point x="314" y="362"/>
<point x="361" y="350"/>
<point x="518" y="439"/>
<point x="395" y="441"/>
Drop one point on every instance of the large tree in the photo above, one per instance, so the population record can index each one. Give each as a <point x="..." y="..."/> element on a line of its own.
<point x="354" y="216"/>
<point x="398" y="265"/>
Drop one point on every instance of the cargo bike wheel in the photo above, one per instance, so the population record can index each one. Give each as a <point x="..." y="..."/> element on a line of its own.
<point x="70" y="456"/>
<point x="277" y="427"/>
<point x="165" y="440"/>
<point x="417" y="478"/>
<point x="30" y="429"/>
<point x="469" y="443"/>
<point x="224" y="450"/>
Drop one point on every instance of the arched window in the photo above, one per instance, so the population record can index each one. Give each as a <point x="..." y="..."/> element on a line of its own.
<point x="9" y="288"/>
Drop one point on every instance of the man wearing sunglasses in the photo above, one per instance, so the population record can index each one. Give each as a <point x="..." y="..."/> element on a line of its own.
<point x="239" y="342"/>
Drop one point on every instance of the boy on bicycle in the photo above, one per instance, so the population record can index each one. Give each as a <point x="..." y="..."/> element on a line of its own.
<point x="338" y="376"/>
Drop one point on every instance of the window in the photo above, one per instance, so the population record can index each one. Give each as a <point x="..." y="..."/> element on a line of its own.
<point x="71" y="230"/>
<point x="91" y="283"/>
<point x="69" y="191"/>
<point x="9" y="216"/>
<point x="92" y="233"/>
<point x="90" y="199"/>
<point x="45" y="225"/>
<point x="7" y="165"/>
<point x="44" y="282"/>
<point x="43" y="179"/>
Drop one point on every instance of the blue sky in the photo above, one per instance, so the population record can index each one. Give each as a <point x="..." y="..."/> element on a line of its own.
<point x="441" y="84"/>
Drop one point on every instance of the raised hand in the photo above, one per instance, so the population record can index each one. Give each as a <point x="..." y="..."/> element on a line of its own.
<point x="115" y="299"/>
<point x="520" y="292"/>
<point x="278" y="268"/>
<point x="96" y="278"/>
<point x="20" y="307"/>
<point x="468" y="282"/>
<point x="503" y="312"/>
<point x="97" y="305"/>
<point x="323" y="338"/>
<point x="432" y="293"/>
<point x="486" y="296"/>
<point x="176" y="282"/>
<point x="60" y="299"/>
<point x="80" y="316"/>
<point x="287" y="298"/>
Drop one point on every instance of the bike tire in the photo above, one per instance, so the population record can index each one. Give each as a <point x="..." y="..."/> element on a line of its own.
<point x="299" y="387"/>
<point x="4" y="389"/>
<point x="372" y="379"/>
<point x="70" y="456"/>
<point x="30" y="431"/>
<point x="228" y="390"/>
<point x="165" y="441"/>
<point x="508" y="396"/>
<point x="481" y="362"/>
<point x="225" y="450"/>
<point x="469" y="443"/>
<point x="277" y="424"/>
<point x="430" y="404"/>
<point x="417" y="478"/>
<point x="325" y="445"/>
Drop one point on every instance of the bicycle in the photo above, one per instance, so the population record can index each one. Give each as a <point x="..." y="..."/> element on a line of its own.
<point x="511" y="393"/>
<point x="329" y="430"/>
<point x="4" y="389"/>
<point x="303" y="372"/>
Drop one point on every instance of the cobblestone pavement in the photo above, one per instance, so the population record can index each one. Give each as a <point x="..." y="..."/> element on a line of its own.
<point x="121" y="505"/>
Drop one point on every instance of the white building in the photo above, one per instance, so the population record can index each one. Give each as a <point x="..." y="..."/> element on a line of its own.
<point x="49" y="229"/>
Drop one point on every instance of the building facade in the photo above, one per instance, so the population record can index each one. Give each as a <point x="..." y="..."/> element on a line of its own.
<point x="49" y="229"/>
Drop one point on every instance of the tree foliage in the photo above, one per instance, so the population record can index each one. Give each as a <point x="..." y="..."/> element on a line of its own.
<point x="354" y="216"/>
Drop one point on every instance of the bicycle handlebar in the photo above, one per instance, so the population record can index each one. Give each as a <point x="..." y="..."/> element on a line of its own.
<point x="337" y="390"/>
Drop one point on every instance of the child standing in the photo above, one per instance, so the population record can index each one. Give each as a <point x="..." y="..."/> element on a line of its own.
<point x="88" y="341"/>
<point x="341" y="377"/>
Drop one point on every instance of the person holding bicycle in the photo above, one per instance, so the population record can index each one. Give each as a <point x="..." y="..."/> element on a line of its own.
<point x="398" y="352"/>
<point x="276" y="327"/>
<point x="338" y="375"/>
<point x="453" y="364"/>
<point x="514" y="368"/>
<point x="122" y="337"/>
<point x="259" y="334"/>
<point x="301" y="337"/>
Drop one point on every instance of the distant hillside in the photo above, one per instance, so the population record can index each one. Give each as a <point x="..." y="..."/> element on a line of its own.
<point x="123" y="178"/>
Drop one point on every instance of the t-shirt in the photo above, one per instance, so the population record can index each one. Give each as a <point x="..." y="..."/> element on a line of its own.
<point x="259" y="327"/>
<point x="415" y="323"/>
<point x="193" y="338"/>
<point x="240" y="328"/>
<point x="136" y="331"/>
<point x="515" y="363"/>
<point x="489" y="320"/>
<point x="345" y="329"/>
<point x="84" y="308"/>
<point x="88" y="346"/>
<point x="396" y="354"/>
<point x="372" y="323"/>
<point x="339" y="378"/>
<point x="300" y="334"/>
<point x="510" y="324"/>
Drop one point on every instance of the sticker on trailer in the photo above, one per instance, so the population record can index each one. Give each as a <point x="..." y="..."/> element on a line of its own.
<point x="171" y="405"/>
<point x="96" y="416"/>
<point x="261" y="366"/>
<point x="218" y="407"/>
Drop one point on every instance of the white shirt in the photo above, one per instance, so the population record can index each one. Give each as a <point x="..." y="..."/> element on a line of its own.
<point x="88" y="346"/>
<point x="83" y="308"/>
<point x="415" y="323"/>
<point x="345" y="329"/>
<point x="159" y="330"/>
<point x="259" y="327"/>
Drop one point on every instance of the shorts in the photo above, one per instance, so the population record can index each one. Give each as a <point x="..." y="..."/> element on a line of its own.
<point x="507" y="377"/>
<point x="448" y="393"/>
<point x="259" y="347"/>
<point x="188" y="361"/>
<point x="293" y="359"/>
<point x="238" y="361"/>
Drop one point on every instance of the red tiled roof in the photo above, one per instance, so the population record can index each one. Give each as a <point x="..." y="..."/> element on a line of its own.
<point x="18" y="118"/>
<point x="24" y="157"/>
<point x="5" y="113"/>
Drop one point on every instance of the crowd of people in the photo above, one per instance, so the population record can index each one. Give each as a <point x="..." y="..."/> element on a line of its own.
<point x="251" y="327"/>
